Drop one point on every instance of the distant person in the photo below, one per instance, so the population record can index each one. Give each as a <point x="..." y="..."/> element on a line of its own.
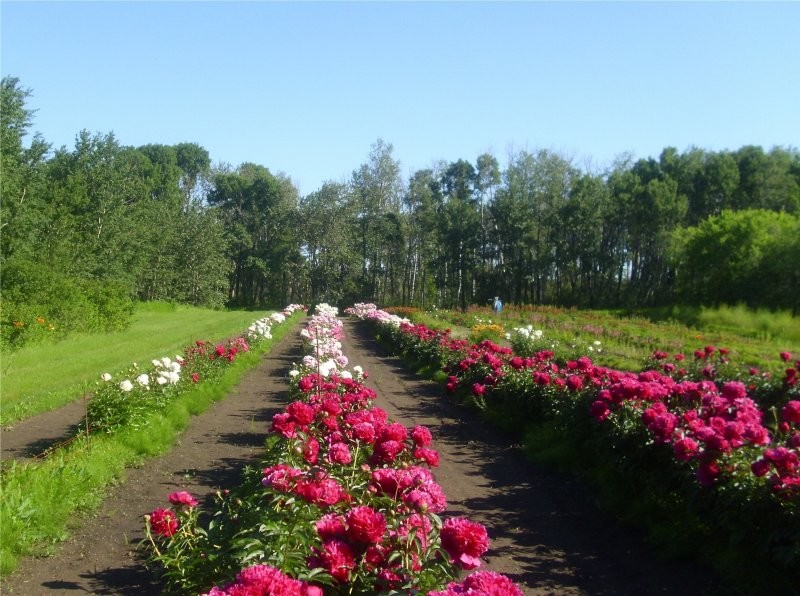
<point x="497" y="307"/>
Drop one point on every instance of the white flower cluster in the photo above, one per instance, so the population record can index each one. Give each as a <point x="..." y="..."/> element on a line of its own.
<point x="165" y="372"/>
<point x="168" y="371"/>
<point x="360" y="309"/>
<point x="526" y="333"/>
<point x="322" y="334"/>
<point x="369" y="312"/>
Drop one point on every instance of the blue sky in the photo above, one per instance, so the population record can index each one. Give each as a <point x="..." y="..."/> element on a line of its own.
<point x="306" y="88"/>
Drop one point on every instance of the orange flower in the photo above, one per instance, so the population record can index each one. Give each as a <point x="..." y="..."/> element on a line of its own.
<point x="19" y="324"/>
<point x="40" y="320"/>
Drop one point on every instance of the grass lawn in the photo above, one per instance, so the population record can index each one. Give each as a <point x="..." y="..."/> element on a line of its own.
<point x="42" y="377"/>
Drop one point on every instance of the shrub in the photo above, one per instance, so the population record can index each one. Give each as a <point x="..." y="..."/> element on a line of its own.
<point x="40" y="302"/>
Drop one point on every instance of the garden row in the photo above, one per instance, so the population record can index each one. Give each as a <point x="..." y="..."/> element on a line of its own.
<point x="681" y="446"/>
<point x="133" y="415"/>
<point x="346" y="502"/>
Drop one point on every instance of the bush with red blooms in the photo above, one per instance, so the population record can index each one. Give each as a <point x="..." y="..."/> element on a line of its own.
<point x="345" y="504"/>
<point x="698" y="411"/>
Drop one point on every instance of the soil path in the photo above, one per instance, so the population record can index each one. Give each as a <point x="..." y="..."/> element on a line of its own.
<point x="547" y="533"/>
<point x="33" y="436"/>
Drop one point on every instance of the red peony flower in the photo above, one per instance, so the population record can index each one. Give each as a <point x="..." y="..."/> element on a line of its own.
<point x="486" y="583"/>
<point x="791" y="412"/>
<point x="574" y="383"/>
<point x="429" y="456"/>
<point x="331" y="526"/>
<point x="164" y="522"/>
<point x="336" y="557"/>
<point x="365" y="525"/>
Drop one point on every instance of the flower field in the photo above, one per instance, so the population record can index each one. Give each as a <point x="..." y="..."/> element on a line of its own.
<point x="346" y="502"/>
<point x="707" y="454"/>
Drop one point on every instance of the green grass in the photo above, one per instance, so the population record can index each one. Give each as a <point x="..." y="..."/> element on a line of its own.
<point x="739" y="320"/>
<point x="42" y="377"/>
<point x="41" y="501"/>
<point x="755" y="338"/>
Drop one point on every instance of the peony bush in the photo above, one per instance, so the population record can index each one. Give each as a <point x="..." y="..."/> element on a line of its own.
<point x="143" y="390"/>
<point x="345" y="503"/>
<point x="719" y="444"/>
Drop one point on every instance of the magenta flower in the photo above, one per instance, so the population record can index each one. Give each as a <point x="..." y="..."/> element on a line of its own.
<point x="182" y="499"/>
<point x="164" y="522"/>
<point x="465" y="541"/>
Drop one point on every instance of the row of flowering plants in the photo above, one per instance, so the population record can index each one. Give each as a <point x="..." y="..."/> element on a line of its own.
<point x="691" y="426"/>
<point x="345" y="502"/>
<point x="126" y="401"/>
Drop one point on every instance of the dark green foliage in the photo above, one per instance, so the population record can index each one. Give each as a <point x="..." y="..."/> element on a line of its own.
<point x="41" y="303"/>
<point x="160" y="221"/>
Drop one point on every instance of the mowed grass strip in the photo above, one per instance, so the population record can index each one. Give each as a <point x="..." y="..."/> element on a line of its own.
<point x="42" y="377"/>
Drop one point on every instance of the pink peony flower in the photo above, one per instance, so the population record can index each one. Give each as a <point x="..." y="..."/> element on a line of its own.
<point x="464" y="541"/>
<point x="421" y="436"/>
<point x="182" y="499"/>
<point x="339" y="453"/>
<point x="483" y="583"/>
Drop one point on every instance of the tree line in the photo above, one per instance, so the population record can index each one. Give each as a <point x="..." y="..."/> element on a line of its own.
<point x="161" y="222"/>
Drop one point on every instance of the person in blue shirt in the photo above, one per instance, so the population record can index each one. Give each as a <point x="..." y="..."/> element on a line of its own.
<point x="497" y="307"/>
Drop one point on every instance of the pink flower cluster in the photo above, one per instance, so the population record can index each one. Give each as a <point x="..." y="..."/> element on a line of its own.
<point x="481" y="583"/>
<point x="713" y="425"/>
<point x="265" y="580"/>
<point x="164" y="522"/>
<point x="369" y="478"/>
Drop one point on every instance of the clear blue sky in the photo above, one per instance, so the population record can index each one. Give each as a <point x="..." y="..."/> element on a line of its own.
<point x="307" y="88"/>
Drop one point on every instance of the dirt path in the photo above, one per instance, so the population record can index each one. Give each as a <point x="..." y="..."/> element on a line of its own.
<point x="31" y="437"/>
<point x="546" y="531"/>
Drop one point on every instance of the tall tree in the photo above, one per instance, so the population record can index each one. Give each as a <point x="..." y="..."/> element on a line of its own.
<point x="376" y="190"/>
<point x="21" y="176"/>
<point x="258" y="210"/>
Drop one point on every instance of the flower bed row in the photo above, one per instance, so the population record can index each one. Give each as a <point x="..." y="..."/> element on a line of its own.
<point x="701" y="440"/>
<point x="126" y="403"/>
<point x="346" y="502"/>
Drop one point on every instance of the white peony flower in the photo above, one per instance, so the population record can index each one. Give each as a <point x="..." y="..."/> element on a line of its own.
<point x="126" y="385"/>
<point x="106" y="377"/>
<point x="143" y="380"/>
<point x="294" y="372"/>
